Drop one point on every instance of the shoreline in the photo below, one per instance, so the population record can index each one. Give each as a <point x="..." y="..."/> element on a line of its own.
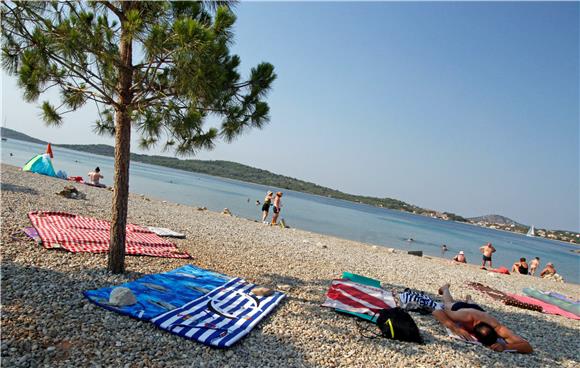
<point x="264" y="186"/>
<point x="43" y="305"/>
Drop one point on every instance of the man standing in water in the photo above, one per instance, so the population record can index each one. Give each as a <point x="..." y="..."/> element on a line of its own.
<point x="487" y="251"/>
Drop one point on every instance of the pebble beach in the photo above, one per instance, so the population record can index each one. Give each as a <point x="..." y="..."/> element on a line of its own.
<point x="47" y="322"/>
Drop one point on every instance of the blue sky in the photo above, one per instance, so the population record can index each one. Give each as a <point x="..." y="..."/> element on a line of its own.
<point x="471" y="108"/>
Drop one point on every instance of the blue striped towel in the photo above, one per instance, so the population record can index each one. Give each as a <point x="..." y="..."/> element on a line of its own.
<point x="220" y="317"/>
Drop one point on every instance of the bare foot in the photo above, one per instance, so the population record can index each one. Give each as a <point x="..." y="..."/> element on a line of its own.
<point x="468" y="298"/>
<point x="446" y="286"/>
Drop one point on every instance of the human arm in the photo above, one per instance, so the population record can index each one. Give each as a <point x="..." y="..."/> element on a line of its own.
<point x="512" y="341"/>
<point x="443" y="318"/>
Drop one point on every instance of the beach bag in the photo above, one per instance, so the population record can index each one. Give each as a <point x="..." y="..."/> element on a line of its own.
<point x="397" y="324"/>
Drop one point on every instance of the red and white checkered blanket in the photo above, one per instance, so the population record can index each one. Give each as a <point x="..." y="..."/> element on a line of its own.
<point x="85" y="234"/>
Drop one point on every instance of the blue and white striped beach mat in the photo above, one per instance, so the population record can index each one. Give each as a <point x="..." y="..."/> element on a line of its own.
<point x="162" y="292"/>
<point x="220" y="317"/>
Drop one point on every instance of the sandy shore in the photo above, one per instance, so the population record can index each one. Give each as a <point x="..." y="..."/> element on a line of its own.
<point x="47" y="322"/>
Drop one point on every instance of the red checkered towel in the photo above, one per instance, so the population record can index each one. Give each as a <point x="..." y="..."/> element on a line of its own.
<point x="85" y="234"/>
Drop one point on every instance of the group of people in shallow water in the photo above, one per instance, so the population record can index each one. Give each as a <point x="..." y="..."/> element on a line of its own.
<point x="521" y="267"/>
<point x="271" y="201"/>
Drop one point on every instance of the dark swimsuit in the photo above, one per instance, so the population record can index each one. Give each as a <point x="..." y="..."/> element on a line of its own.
<point x="522" y="270"/>
<point x="266" y="206"/>
<point x="463" y="305"/>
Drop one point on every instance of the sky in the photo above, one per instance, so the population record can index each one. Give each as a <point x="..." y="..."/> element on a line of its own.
<point x="471" y="108"/>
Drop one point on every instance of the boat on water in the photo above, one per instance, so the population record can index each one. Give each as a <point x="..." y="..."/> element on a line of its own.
<point x="531" y="231"/>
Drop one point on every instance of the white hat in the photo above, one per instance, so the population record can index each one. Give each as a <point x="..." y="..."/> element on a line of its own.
<point x="121" y="296"/>
<point x="461" y="252"/>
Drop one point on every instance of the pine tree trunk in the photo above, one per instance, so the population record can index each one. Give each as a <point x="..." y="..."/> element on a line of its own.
<point x="122" y="153"/>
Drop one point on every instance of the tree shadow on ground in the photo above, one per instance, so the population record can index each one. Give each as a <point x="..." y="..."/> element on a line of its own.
<point x="46" y="308"/>
<point x="17" y="188"/>
<point x="47" y="320"/>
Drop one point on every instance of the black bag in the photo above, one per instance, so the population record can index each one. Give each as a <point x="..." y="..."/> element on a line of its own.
<point x="397" y="324"/>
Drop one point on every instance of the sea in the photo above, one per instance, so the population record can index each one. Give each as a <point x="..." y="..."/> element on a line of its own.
<point x="343" y="219"/>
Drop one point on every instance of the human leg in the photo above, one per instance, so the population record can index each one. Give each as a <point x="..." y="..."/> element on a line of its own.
<point x="446" y="294"/>
<point x="275" y="215"/>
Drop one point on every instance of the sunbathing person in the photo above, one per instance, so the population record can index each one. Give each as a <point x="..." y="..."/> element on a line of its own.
<point x="460" y="258"/>
<point x="520" y="267"/>
<point x="470" y="321"/>
<point x="548" y="271"/>
<point x="95" y="177"/>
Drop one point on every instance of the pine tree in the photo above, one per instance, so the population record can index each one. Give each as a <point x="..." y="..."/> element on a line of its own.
<point x="160" y="69"/>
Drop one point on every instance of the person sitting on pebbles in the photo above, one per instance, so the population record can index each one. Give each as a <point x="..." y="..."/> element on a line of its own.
<point x="520" y="267"/>
<point x="548" y="271"/>
<point x="460" y="257"/>
<point x="95" y="177"/>
<point x="469" y="321"/>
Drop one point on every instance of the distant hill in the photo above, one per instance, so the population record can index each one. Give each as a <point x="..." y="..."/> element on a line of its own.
<point x="495" y="219"/>
<point x="13" y="134"/>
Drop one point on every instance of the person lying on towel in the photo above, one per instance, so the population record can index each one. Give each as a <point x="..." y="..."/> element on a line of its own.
<point x="470" y="321"/>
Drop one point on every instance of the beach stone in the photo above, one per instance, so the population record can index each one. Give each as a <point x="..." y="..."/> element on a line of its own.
<point x="121" y="296"/>
<point x="42" y="292"/>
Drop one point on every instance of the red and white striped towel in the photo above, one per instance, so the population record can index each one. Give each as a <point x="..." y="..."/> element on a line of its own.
<point x="86" y="234"/>
<point x="358" y="298"/>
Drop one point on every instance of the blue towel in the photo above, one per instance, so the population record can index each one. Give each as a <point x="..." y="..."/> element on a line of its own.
<point x="159" y="293"/>
<point x="220" y="317"/>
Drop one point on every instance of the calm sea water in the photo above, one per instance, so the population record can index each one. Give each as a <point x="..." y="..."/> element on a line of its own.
<point x="313" y="213"/>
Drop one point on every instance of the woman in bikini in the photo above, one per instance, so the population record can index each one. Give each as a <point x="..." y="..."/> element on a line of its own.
<point x="266" y="206"/>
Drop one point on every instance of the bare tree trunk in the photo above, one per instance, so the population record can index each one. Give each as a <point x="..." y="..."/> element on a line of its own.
<point x="122" y="152"/>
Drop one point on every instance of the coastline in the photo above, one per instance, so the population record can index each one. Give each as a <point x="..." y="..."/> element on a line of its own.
<point x="42" y="298"/>
<point x="428" y="214"/>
